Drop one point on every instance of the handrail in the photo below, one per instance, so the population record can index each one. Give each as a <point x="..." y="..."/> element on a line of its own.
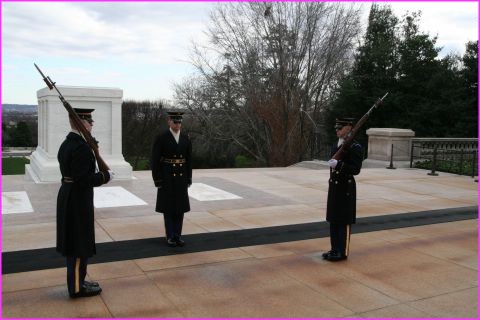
<point x="445" y="139"/>
<point x="453" y="153"/>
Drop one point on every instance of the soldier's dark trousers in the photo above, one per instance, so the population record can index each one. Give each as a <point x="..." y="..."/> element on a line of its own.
<point x="76" y="272"/>
<point x="340" y="238"/>
<point x="173" y="225"/>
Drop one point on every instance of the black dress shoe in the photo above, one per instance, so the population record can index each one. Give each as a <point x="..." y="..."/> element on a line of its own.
<point x="91" y="283"/>
<point x="180" y="242"/>
<point x="335" y="256"/>
<point x="86" y="291"/>
<point x="325" y="254"/>
<point x="171" y="243"/>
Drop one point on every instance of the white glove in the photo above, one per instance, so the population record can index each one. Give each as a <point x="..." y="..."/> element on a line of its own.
<point x="112" y="174"/>
<point x="332" y="163"/>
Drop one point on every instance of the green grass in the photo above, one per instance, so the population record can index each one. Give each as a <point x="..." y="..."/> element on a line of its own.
<point x="14" y="165"/>
<point x="142" y="164"/>
<point x="243" y="162"/>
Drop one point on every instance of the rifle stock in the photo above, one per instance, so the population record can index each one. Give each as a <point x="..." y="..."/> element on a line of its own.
<point x="102" y="165"/>
<point x="351" y="135"/>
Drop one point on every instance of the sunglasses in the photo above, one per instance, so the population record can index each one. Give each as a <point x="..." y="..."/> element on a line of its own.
<point x="89" y="120"/>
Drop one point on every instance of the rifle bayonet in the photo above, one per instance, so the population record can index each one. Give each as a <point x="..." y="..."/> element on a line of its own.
<point x="47" y="80"/>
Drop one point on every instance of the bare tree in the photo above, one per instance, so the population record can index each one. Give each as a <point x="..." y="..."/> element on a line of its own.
<point x="141" y="122"/>
<point x="265" y="63"/>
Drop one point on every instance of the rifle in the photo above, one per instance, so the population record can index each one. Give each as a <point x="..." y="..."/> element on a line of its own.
<point x="102" y="165"/>
<point x="351" y="135"/>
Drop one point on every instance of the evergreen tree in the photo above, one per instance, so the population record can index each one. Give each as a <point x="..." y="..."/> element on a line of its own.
<point x="468" y="108"/>
<point x="21" y="135"/>
<point x="141" y="122"/>
<point x="419" y="72"/>
<point x="374" y="72"/>
<point x="434" y="97"/>
<point x="5" y="135"/>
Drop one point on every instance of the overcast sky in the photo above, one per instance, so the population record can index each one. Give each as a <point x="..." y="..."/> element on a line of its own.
<point x="143" y="48"/>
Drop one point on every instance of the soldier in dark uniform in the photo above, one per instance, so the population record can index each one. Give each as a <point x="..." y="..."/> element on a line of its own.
<point x="172" y="174"/>
<point x="75" y="217"/>
<point x="342" y="192"/>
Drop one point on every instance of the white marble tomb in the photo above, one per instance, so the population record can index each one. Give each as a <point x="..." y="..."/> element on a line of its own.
<point x="53" y="127"/>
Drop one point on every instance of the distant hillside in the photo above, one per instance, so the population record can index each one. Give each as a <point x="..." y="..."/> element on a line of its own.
<point x="24" y="108"/>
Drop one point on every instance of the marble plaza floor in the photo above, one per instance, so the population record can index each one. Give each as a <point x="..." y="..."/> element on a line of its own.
<point x="418" y="271"/>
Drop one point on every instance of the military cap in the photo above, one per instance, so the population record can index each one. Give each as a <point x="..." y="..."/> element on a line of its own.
<point x="176" y="116"/>
<point x="341" y="122"/>
<point x="85" y="114"/>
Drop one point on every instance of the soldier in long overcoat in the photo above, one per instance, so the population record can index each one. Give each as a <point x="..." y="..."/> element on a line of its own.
<point x="342" y="192"/>
<point x="75" y="216"/>
<point x="171" y="165"/>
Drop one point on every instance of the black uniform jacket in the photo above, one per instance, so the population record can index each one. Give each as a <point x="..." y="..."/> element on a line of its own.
<point x="171" y="165"/>
<point x="75" y="219"/>
<point x="342" y="190"/>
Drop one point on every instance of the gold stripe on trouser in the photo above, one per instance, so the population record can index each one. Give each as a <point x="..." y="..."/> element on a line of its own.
<point x="347" y="241"/>
<point x="77" y="275"/>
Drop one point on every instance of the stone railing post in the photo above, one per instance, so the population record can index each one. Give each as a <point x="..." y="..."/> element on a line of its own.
<point x="380" y="141"/>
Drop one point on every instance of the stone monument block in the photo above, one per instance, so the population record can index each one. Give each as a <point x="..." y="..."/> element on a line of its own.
<point x="53" y="127"/>
<point x="380" y="142"/>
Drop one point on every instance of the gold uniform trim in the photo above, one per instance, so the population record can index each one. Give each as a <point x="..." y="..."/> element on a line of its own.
<point x="347" y="241"/>
<point x="174" y="161"/>
<point x="77" y="275"/>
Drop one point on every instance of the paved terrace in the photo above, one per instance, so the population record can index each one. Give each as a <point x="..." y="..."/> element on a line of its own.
<point x="413" y="252"/>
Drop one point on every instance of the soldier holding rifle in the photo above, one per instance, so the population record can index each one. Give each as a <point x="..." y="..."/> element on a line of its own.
<point x="342" y="194"/>
<point x="346" y="162"/>
<point x="78" y="157"/>
<point x="75" y="216"/>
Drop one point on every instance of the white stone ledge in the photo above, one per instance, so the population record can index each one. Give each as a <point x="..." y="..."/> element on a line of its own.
<point x="390" y="132"/>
